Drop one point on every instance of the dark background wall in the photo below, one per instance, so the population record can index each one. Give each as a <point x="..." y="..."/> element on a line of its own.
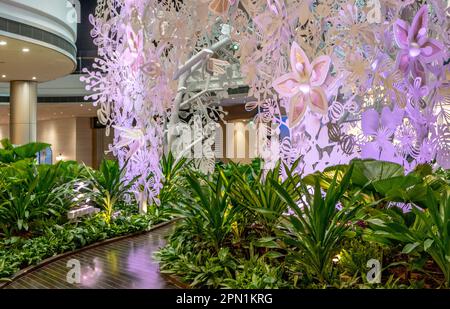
<point x="84" y="42"/>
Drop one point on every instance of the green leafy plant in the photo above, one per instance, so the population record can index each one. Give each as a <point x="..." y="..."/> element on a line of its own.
<point x="172" y="170"/>
<point x="317" y="228"/>
<point x="208" y="210"/>
<point x="353" y="256"/>
<point x="34" y="193"/>
<point x="430" y="231"/>
<point x="10" y="153"/>
<point x="384" y="182"/>
<point x="260" y="196"/>
<point x="109" y="186"/>
<point x="248" y="171"/>
<point x="257" y="272"/>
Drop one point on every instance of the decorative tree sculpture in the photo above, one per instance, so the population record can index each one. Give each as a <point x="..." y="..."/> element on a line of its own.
<point x="378" y="86"/>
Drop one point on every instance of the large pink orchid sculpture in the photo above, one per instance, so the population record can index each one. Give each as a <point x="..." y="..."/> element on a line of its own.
<point x="417" y="49"/>
<point x="303" y="85"/>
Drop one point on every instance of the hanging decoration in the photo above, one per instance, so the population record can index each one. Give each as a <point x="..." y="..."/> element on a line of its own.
<point x="378" y="86"/>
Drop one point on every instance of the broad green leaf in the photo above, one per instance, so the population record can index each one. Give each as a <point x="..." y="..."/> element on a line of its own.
<point x="427" y="244"/>
<point x="376" y="221"/>
<point x="410" y="247"/>
<point x="266" y="242"/>
<point x="349" y="234"/>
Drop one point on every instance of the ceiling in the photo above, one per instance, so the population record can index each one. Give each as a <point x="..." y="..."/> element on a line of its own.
<point x="40" y="62"/>
<point x="48" y="111"/>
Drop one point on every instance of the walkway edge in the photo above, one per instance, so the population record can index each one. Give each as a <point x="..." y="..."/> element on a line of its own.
<point x="54" y="258"/>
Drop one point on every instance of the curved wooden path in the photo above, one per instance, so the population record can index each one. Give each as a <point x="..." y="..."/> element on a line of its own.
<point x="124" y="264"/>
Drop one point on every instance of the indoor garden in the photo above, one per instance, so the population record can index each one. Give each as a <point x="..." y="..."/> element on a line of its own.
<point x="345" y="182"/>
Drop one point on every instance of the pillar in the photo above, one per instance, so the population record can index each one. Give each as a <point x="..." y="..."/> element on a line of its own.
<point x="23" y="112"/>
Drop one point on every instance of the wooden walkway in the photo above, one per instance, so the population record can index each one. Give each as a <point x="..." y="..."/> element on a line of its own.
<point x="124" y="264"/>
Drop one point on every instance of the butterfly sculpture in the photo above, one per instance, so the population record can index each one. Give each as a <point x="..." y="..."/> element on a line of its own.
<point x="303" y="85"/>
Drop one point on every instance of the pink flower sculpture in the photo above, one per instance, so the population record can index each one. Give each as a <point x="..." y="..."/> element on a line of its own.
<point x="303" y="85"/>
<point x="417" y="49"/>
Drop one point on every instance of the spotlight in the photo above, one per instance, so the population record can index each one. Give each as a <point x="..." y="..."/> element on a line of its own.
<point x="3" y="43"/>
<point x="3" y="76"/>
<point x="25" y="50"/>
<point x="34" y="77"/>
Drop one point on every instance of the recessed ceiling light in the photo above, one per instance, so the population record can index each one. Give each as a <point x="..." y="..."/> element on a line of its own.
<point x="34" y="77"/>
<point x="3" y="76"/>
<point x="25" y="50"/>
<point x="3" y="43"/>
<point x="81" y="104"/>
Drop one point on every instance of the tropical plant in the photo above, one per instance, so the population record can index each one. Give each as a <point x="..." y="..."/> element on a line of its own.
<point x="248" y="171"/>
<point x="109" y="186"/>
<point x="259" y="197"/>
<point x="10" y="153"/>
<point x="34" y="193"/>
<point x="353" y="256"/>
<point x="384" y="181"/>
<point x="430" y="231"/>
<point x="316" y="228"/>
<point x="199" y="267"/>
<point x="208" y="211"/>
<point x="257" y="272"/>
<point x="172" y="170"/>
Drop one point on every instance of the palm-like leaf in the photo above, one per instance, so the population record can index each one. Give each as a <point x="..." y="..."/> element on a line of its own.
<point x="430" y="231"/>
<point x="33" y="192"/>
<point x="172" y="170"/>
<point x="209" y="211"/>
<point x="259" y="197"/>
<point x="109" y="186"/>
<point x="316" y="228"/>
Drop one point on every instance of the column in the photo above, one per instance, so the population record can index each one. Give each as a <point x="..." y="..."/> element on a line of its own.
<point x="23" y="112"/>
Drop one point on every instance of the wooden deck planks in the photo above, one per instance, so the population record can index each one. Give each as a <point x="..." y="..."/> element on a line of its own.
<point x="124" y="264"/>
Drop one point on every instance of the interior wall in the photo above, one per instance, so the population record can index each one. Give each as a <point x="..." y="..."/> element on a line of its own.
<point x="4" y="131"/>
<point x="237" y="142"/>
<point x="101" y="146"/>
<point x="84" y="141"/>
<point x="61" y="134"/>
<point x="73" y="138"/>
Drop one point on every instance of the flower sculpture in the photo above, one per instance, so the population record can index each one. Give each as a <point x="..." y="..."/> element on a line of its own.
<point x="381" y="130"/>
<point x="417" y="49"/>
<point x="133" y="55"/>
<point x="303" y="85"/>
<point x="143" y="43"/>
<point x="132" y="138"/>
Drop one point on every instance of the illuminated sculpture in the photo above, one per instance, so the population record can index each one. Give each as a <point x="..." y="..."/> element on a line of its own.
<point x="378" y="88"/>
